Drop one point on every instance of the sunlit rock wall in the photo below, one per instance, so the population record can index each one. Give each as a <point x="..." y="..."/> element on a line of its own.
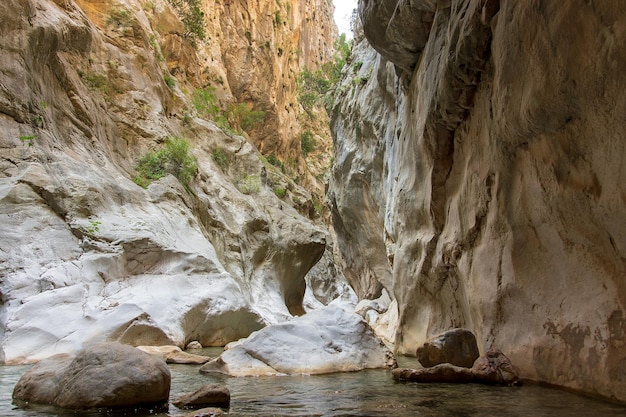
<point x="86" y="254"/>
<point x="479" y="178"/>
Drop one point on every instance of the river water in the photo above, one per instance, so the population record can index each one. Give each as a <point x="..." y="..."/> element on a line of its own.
<point x="366" y="393"/>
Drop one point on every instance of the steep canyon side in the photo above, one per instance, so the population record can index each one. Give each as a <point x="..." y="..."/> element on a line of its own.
<point x="87" y="87"/>
<point x="479" y="179"/>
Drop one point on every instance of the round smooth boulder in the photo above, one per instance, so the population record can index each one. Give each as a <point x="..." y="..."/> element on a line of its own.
<point x="194" y="345"/>
<point x="457" y="347"/>
<point x="100" y="376"/>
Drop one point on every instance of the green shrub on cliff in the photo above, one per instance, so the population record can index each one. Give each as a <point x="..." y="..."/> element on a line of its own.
<point x="250" y="184"/>
<point x="314" y="87"/>
<point x="308" y="143"/>
<point x="173" y="159"/>
<point x="221" y="159"/>
<point x="192" y="16"/>
<point x="243" y="118"/>
<point x="236" y="118"/>
<point x="205" y="102"/>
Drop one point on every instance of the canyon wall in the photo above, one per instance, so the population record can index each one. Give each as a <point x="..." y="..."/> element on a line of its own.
<point x="89" y="87"/>
<point x="479" y="179"/>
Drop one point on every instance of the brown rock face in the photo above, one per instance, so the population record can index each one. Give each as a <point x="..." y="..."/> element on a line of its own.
<point x="490" y="185"/>
<point x="457" y="347"/>
<point x="105" y="375"/>
<point x="262" y="49"/>
<point x="495" y="368"/>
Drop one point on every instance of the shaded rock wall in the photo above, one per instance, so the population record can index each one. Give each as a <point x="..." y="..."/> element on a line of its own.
<point x="88" y="255"/>
<point x="490" y="180"/>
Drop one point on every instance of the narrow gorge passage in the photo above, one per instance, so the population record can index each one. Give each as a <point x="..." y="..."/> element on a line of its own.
<point x="178" y="171"/>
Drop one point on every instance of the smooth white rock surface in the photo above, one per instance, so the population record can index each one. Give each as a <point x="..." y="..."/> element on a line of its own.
<point x="330" y="339"/>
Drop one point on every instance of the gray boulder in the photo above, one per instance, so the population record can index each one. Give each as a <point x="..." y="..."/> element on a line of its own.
<point x="456" y="346"/>
<point x="208" y="395"/>
<point x="102" y="375"/>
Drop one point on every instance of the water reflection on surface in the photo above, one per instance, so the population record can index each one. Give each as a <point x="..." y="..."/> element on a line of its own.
<point x="366" y="393"/>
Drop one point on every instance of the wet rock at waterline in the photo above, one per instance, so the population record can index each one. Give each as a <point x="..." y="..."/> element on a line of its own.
<point x="174" y="354"/>
<point x="206" y="412"/>
<point x="195" y="345"/>
<point x="493" y="367"/>
<point x="444" y="372"/>
<point x="102" y="375"/>
<point x="457" y="347"/>
<point x="209" y="395"/>
<point x="327" y="340"/>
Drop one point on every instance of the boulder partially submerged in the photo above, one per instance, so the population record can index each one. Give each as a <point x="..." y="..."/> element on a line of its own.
<point x="493" y="367"/>
<point x="444" y="372"/>
<point x="211" y="395"/>
<point x="102" y="375"/>
<point x="457" y="347"/>
<point x="174" y="354"/>
<point x="327" y="340"/>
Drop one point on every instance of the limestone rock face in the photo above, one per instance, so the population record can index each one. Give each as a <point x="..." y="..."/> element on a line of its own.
<point x="485" y="189"/>
<point x="87" y="255"/>
<point x="330" y="339"/>
<point x="104" y="375"/>
<point x="398" y="29"/>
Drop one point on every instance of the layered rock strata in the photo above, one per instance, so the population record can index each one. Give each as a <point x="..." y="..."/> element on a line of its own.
<point x="479" y="179"/>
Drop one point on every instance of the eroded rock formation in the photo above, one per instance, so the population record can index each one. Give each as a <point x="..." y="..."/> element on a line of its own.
<point x="86" y="88"/>
<point x="479" y="178"/>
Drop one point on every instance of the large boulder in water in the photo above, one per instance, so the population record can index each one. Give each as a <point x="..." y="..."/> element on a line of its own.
<point x="102" y="375"/>
<point x="494" y="367"/>
<point x="208" y="395"/>
<point x="456" y="346"/>
<point x="327" y="340"/>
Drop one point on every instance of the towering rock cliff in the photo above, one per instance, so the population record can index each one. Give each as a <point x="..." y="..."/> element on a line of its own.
<point x="90" y="87"/>
<point x="479" y="179"/>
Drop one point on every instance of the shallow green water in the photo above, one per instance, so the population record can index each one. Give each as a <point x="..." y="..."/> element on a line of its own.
<point x="367" y="393"/>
